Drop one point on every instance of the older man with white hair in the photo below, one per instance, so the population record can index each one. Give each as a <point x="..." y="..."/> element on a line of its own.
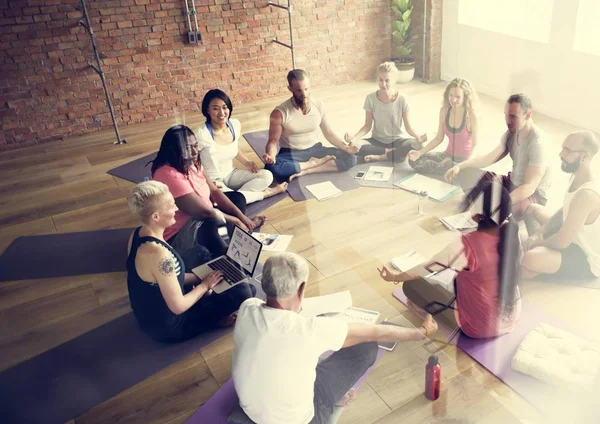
<point x="276" y="369"/>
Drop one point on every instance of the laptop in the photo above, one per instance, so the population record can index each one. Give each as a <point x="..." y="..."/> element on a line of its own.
<point x="237" y="265"/>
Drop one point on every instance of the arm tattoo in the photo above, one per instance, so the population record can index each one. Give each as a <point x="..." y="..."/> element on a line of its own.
<point x="166" y="266"/>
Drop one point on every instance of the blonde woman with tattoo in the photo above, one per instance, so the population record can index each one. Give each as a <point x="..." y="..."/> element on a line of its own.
<point x="169" y="304"/>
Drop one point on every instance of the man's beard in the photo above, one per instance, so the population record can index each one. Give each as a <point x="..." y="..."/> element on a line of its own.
<point x="570" y="167"/>
<point x="303" y="103"/>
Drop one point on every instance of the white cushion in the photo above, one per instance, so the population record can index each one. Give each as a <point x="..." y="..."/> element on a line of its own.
<point x="559" y="358"/>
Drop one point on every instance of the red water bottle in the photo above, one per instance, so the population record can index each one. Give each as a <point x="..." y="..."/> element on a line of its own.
<point x="433" y="377"/>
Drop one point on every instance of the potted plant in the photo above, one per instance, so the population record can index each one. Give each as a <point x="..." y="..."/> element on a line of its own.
<point x="403" y="40"/>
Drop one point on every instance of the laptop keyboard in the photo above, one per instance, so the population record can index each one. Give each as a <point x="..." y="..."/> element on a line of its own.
<point x="231" y="274"/>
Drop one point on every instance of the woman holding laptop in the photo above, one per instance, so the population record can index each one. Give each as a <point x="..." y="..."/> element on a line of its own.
<point x="169" y="304"/>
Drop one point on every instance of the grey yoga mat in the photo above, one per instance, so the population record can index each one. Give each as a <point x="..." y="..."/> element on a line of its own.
<point x="63" y="255"/>
<point x="134" y="171"/>
<point x="64" y="382"/>
<point x="297" y="188"/>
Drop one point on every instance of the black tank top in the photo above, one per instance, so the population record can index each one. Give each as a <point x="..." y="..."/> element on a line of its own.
<point x="147" y="302"/>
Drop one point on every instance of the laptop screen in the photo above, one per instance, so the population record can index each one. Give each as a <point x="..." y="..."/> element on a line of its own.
<point x="244" y="249"/>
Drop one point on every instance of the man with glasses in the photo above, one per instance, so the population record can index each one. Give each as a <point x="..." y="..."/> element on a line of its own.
<point x="526" y="145"/>
<point x="567" y="244"/>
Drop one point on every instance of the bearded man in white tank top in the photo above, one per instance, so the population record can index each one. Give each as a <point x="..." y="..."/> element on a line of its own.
<point x="568" y="243"/>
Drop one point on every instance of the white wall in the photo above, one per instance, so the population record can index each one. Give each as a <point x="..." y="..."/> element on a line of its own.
<point x="562" y="83"/>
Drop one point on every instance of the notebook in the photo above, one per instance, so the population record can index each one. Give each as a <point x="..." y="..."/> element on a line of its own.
<point x="237" y="265"/>
<point x="323" y="191"/>
<point x="436" y="189"/>
<point x="459" y="222"/>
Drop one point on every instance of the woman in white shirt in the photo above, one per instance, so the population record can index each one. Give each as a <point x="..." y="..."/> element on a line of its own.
<point x="218" y="138"/>
<point x="387" y="113"/>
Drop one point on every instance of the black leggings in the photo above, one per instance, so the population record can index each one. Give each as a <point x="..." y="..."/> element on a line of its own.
<point x="401" y="148"/>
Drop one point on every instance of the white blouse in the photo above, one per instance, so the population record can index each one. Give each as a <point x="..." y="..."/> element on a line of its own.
<point x="217" y="159"/>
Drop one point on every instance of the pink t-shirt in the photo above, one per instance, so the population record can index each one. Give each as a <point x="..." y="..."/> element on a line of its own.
<point x="477" y="291"/>
<point x="180" y="185"/>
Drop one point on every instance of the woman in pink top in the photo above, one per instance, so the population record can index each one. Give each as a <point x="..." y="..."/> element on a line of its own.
<point x="457" y="121"/>
<point x="488" y="301"/>
<point x="202" y="207"/>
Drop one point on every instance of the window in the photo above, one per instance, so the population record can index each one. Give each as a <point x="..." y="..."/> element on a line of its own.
<point x="587" y="31"/>
<point x="528" y="19"/>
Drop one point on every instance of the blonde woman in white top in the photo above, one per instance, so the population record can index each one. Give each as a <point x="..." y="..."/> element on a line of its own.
<point x="218" y="140"/>
<point x="568" y="243"/>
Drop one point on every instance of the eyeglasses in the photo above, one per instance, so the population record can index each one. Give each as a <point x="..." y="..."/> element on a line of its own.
<point x="569" y="151"/>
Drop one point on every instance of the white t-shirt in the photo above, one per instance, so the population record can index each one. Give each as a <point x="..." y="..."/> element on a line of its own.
<point x="387" y="118"/>
<point x="275" y="356"/>
<point x="300" y="131"/>
<point x="217" y="159"/>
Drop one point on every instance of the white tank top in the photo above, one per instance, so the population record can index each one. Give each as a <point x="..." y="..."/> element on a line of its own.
<point x="588" y="237"/>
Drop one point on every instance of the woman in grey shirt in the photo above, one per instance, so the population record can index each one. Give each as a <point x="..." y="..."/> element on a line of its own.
<point x="387" y="114"/>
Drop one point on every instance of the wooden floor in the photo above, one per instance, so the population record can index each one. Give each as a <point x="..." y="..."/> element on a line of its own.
<point x="64" y="187"/>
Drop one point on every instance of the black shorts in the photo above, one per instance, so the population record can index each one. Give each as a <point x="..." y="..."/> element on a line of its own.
<point x="574" y="264"/>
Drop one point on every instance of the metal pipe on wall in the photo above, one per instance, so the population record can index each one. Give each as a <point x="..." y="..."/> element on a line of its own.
<point x="98" y="69"/>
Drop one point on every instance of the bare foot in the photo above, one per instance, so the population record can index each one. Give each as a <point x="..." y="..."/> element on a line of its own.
<point x="314" y="162"/>
<point x="259" y="220"/>
<point x="348" y="398"/>
<point x="375" y="158"/>
<point x="299" y="174"/>
<point x="272" y="191"/>
<point x="228" y="321"/>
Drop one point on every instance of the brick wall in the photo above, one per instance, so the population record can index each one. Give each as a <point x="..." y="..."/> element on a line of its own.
<point x="47" y="90"/>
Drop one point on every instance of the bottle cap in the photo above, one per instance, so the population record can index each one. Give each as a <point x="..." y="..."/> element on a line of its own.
<point x="433" y="360"/>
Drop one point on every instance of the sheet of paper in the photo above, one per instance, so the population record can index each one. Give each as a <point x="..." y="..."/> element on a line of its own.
<point x="323" y="191"/>
<point x="435" y="189"/>
<point x="407" y="261"/>
<point x="444" y="278"/>
<point x="274" y="242"/>
<point x="379" y="173"/>
<point x="354" y="315"/>
<point x="461" y="221"/>
<point x="336" y="302"/>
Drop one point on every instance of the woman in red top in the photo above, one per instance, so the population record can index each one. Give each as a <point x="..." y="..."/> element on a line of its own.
<point x="202" y="207"/>
<point x="488" y="301"/>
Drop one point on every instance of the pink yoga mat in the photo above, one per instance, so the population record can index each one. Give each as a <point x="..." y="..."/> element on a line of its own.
<point x="217" y="409"/>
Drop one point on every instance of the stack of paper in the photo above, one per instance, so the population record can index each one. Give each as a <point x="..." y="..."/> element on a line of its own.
<point x="459" y="222"/>
<point x="323" y="191"/>
<point x="379" y="173"/>
<point x="273" y="242"/>
<point x="443" y="278"/>
<point x="436" y="189"/>
<point x="407" y="261"/>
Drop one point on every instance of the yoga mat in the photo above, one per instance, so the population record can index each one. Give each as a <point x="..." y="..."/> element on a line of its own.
<point x="217" y="409"/>
<point x="255" y="208"/>
<point x="68" y="380"/>
<point x="62" y="255"/>
<point x="134" y="171"/>
<point x="297" y="188"/>
<point x="496" y="354"/>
